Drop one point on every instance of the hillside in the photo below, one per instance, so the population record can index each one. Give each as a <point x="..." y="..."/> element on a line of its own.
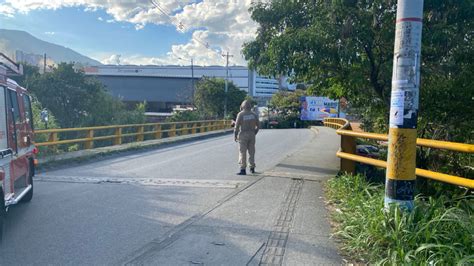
<point x="13" y="40"/>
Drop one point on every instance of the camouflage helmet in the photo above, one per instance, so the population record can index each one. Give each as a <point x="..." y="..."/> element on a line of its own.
<point x="246" y="105"/>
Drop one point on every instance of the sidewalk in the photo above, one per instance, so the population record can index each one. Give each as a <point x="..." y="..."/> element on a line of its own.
<point x="279" y="218"/>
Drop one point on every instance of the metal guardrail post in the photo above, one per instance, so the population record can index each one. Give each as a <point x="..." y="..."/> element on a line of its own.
<point x="141" y="136"/>
<point x="348" y="145"/>
<point x="193" y="130"/>
<point x="118" y="136"/>
<point x="89" y="144"/>
<point x="53" y="137"/>
<point x="172" y="131"/>
<point x="157" y="131"/>
<point x="184" y="129"/>
<point x="344" y="130"/>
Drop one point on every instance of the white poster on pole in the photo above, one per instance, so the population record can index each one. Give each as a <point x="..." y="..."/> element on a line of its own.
<point x="397" y="106"/>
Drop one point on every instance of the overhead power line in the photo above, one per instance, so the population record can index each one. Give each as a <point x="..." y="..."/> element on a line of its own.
<point x="181" y="26"/>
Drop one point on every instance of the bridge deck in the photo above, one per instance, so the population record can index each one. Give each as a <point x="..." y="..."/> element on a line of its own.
<point x="186" y="206"/>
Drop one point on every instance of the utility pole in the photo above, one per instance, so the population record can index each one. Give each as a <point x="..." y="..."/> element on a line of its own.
<point x="401" y="163"/>
<point x="226" y="81"/>
<point x="192" y="78"/>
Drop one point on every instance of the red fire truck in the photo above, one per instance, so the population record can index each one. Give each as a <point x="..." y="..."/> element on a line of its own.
<point x="17" y="151"/>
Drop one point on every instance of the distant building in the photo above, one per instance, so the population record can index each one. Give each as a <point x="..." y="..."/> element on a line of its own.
<point x="263" y="88"/>
<point x="34" y="60"/>
<point x="165" y="86"/>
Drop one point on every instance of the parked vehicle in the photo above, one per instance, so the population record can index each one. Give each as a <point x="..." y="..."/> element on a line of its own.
<point x="17" y="151"/>
<point x="369" y="151"/>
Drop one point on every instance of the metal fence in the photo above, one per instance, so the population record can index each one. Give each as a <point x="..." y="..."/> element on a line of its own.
<point x="89" y="137"/>
<point x="348" y="155"/>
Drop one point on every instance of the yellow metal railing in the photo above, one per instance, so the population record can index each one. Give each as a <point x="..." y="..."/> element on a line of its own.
<point x="349" y="157"/>
<point x="136" y="131"/>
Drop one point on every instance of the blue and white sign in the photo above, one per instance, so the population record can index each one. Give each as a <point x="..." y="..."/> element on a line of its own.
<point x="318" y="108"/>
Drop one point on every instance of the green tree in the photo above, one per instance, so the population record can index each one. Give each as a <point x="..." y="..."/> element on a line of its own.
<point x="187" y="115"/>
<point x="345" y="48"/>
<point x="77" y="100"/>
<point x="285" y="107"/>
<point x="287" y="102"/>
<point x="29" y="73"/>
<point x="37" y="122"/>
<point x="210" y="95"/>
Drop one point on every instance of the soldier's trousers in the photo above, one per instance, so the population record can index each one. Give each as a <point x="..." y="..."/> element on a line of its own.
<point x="246" y="144"/>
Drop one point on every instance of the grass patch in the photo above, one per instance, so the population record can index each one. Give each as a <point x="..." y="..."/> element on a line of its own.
<point x="439" y="231"/>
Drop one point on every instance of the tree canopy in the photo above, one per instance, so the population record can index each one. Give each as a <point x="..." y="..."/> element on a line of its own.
<point x="287" y="102"/>
<point x="77" y="100"/>
<point x="210" y="96"/>
<point x="345" y="48"/>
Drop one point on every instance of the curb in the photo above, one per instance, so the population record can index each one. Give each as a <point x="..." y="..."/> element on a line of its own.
<point x="315" y="129"/>
<point x="87" y="155"/>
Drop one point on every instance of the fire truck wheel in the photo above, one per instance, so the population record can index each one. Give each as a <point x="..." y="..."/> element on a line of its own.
<point x="31" y="172"/>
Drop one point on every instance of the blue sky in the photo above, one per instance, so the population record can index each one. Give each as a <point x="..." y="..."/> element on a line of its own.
<point x="137" y="30"/>
<point x="84" y="32"/>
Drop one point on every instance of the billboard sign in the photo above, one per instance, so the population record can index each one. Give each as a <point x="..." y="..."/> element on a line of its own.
<point x="317" y="108"/>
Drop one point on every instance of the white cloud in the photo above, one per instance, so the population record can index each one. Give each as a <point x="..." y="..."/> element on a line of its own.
<point x="120" y="10"/>
<point x="6" y="11"/>
<point x="100" y="19"/>
<point x="224" y="24"/>
<point x="50" y="33"/>
<point x="139" y="26"/>
<point x="113" y="60"/>
<point x="227" y="25"/>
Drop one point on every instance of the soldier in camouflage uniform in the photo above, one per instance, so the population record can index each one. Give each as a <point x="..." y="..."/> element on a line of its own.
<point x="246" y="128"/>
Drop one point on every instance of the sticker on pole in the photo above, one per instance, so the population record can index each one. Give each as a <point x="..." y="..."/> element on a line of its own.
<point x="397" y="104"/>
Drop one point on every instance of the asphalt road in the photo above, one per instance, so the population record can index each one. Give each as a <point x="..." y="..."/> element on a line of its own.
<point x="99" y="212"/>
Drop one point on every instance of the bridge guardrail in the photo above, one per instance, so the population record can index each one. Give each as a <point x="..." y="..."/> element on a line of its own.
<point x="348" y="155"/>
<point x="138" y="132"/>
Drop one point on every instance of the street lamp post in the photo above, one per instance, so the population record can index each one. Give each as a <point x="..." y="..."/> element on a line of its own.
<point x="227" y="55"/>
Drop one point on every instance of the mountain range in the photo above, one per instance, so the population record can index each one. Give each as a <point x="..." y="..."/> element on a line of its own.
<point x="22" y="46"/>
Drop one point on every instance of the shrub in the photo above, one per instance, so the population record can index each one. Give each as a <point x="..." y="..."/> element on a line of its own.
<point x="438" y="231"/>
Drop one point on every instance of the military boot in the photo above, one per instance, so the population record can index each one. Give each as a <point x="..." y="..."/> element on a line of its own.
<point x="242" y="172"/>
<point x="252" y="170"/>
